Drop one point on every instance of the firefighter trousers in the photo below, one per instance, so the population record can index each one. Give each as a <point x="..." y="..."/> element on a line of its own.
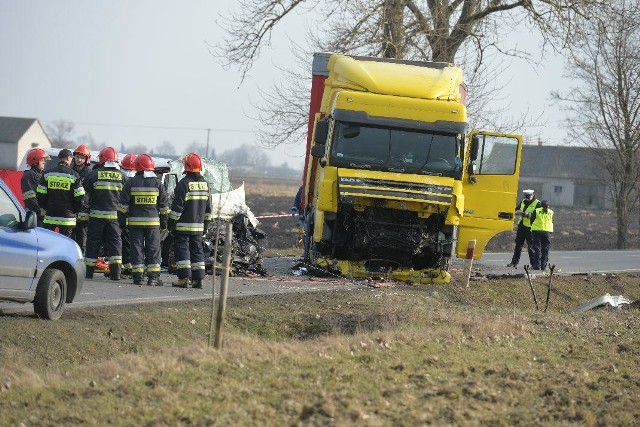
<point x="145" y="251"/>
<point x="126" y="248"/>
<point x="540" y="246"/>
<point x="80" y="234"/>
<point x="189" y="255"/>
<point x="104" y="231"/>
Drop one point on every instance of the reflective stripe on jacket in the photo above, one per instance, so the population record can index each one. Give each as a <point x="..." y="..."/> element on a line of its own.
<point x="530" y="208"/>
<point x="191" y="205"/>
<point x="60" y="194"/>
<point x="144" y="200"/>
<point x="103" y="187"/>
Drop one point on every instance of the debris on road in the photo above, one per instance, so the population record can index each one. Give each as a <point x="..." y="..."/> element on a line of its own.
<point x="604" y="301"/>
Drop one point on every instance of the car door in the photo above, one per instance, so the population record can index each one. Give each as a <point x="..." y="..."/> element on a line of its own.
<point x="18" y="248"/>
<point x="490" y="186"/>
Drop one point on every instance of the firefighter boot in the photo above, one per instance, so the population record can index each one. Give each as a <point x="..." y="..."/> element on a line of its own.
<point x="115" y="271"/>
<point x="89" y="272"/>
<point x="181" y="283"/>
<point x="137" y="278"/>
<point x="197" y="283"/>
<point x="154" y="281"/>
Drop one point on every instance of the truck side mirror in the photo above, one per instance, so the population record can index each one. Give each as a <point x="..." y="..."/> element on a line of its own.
<point x="322" y="131"/>
<point x="317" y="150"/>
<point x="475" y="145"/>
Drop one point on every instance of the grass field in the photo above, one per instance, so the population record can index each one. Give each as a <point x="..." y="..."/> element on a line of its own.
<point x="388" y="355"/>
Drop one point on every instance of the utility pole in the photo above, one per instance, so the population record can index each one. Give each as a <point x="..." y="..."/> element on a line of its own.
<point x="207" y="153"/>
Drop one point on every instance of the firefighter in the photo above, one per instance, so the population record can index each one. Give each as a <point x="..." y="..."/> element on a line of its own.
<point x="188" y="219"/>
<point x="81" y="163"/>
<point x="60" y="194"/>
<point x="541" y="231"/>
<point x="36" y="159"/>
<point x="103" y="187"/>
<point x="128" y="167"/>
<point x="523" y="233"/>
<point x="144" y="200"/>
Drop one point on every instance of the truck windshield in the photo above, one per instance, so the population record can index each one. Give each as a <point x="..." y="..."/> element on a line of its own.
<point x="395" y="149"/>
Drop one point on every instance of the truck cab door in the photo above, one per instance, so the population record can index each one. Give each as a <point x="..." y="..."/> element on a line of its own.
<point x="489" y="187"/>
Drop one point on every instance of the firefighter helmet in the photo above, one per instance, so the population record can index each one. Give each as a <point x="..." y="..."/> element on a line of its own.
<point x="108" y="154"/>
<point x="144" y="162"/>
<point x="83" y="150"/>
<point x="192" y="163"/>
<point x="129" y="162"/>
<point x="35" y="155"/>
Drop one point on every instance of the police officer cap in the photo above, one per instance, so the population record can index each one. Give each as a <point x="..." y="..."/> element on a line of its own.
<point x="64" y="153"/>
<point x="528" y="192"/>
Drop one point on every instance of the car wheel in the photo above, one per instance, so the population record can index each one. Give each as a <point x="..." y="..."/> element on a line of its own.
<point x="51" y="294"/>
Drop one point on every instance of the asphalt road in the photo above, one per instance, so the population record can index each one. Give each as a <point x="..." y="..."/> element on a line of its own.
<point x="103" y="292"/>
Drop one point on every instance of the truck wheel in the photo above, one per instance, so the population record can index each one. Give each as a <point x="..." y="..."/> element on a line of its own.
<point x="51" y="294"/>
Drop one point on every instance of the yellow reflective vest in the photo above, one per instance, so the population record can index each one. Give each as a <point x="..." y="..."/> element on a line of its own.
<point x="530" y="208"/>
<point x="543" y="220"/>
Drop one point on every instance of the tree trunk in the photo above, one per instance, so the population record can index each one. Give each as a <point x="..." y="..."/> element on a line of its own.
<point x="622" y="218"/>
<point x="393" y="35"/>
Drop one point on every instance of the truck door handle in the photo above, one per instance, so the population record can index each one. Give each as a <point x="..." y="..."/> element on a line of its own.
<point x="505" y="215"/>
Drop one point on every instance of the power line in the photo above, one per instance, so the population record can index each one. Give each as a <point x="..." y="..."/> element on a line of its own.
<point x="153" y="127"/>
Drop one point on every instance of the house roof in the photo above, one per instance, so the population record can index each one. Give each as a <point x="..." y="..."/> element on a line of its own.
<point x="559" y="162"/>
<point x="13" y="128"/>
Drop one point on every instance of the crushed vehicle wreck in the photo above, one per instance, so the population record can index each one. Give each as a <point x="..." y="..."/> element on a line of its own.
<point x="228" y="205"/>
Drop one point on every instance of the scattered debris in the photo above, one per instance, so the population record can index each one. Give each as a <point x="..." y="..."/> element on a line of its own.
<point x="603" y="301"/>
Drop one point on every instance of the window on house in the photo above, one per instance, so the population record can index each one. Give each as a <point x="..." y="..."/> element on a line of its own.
<point x="557" y="189"/>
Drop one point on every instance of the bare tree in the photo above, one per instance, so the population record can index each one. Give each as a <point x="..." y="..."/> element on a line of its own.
<point x="604" y="107"/>
<point x="59" y="133"/>
<point x="245" y="155"/>
<point x="439" y="30"/>
<point x="166" y="147"/>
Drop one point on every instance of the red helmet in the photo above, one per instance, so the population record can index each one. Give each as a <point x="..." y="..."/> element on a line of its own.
<point x="83" y="150"/>
<point x="144" y="162"/>
<point x="192" y="163"/>
<point x="108" y="154"/>
<point x="129" y="162"/>
<point x="35" y="155"/>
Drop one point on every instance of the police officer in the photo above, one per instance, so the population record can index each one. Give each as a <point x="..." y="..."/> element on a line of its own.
<point x="128" y="167"/>
<point x="81" y="162"/>
<point x="103" y="187"/>
<point x="190" y="212"/>
<point x="523" y="233"/>
<point x="36" y="159"/>
<point x="541" y="230"/>
<point x="60" y="194"/>
<point x="145" y="201"/>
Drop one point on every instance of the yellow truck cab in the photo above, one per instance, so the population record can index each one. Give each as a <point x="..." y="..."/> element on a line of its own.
<point x="395" y="185"/>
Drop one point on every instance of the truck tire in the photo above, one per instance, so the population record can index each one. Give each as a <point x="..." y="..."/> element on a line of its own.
<point x="51" y="294"/>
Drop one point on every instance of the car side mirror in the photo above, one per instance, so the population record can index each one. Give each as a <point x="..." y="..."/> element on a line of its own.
<point x="322" y="131"/>
<point x="475" y="145"/>
<point x="30" y="221"/>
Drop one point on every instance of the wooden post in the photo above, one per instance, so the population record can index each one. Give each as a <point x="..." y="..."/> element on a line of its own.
<point x="468" y="262"/>
<point x="213" y="283"/>
<point x="222" y="304"/>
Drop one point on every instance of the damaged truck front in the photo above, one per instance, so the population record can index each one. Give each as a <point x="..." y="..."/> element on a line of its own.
<point x="394" y="183"/>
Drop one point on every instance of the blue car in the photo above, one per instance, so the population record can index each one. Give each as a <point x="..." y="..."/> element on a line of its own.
<point x="36" y="265"/>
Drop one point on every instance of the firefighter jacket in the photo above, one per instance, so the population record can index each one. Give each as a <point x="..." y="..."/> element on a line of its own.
<point x="528" y="208"/>
<point x="191" y="205"/>
<point x="83" y="215"/>
<point x="60" y="194"/>
<point x="144" y="200"/>
<point x="103" y="187"/>
<point x="29" y="184"/>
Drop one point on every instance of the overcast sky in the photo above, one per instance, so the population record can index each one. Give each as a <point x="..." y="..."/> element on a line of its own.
<point x="139" y="72"/>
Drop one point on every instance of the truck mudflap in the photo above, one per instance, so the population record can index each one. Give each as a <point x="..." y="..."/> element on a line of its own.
<point x="361" y="270"/>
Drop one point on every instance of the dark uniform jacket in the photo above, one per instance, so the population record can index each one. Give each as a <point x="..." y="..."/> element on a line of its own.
<point x="29" y="184"/>
<point x="144" y="200"/>
<point x="103" y="187"/>
<point x="83" y="215"/>
<point x="60" y="194"/>
<point x="191" y="205"/>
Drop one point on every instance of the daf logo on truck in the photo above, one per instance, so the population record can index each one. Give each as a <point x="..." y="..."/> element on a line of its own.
<point x="395" y="184"/>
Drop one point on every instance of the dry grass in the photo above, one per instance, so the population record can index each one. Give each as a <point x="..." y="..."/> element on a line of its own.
<point x="396" y="355"/>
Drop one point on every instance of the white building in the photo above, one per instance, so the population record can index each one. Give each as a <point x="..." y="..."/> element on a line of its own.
<point x="17" y="136"/>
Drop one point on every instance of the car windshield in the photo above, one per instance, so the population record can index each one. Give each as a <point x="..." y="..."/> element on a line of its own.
<point x="395" y="149"/>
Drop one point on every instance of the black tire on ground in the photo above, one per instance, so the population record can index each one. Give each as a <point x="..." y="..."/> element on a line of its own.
<point x="51" y="294"/>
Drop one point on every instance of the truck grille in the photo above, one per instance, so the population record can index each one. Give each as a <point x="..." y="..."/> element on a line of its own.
<point x="380" y="188"/>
